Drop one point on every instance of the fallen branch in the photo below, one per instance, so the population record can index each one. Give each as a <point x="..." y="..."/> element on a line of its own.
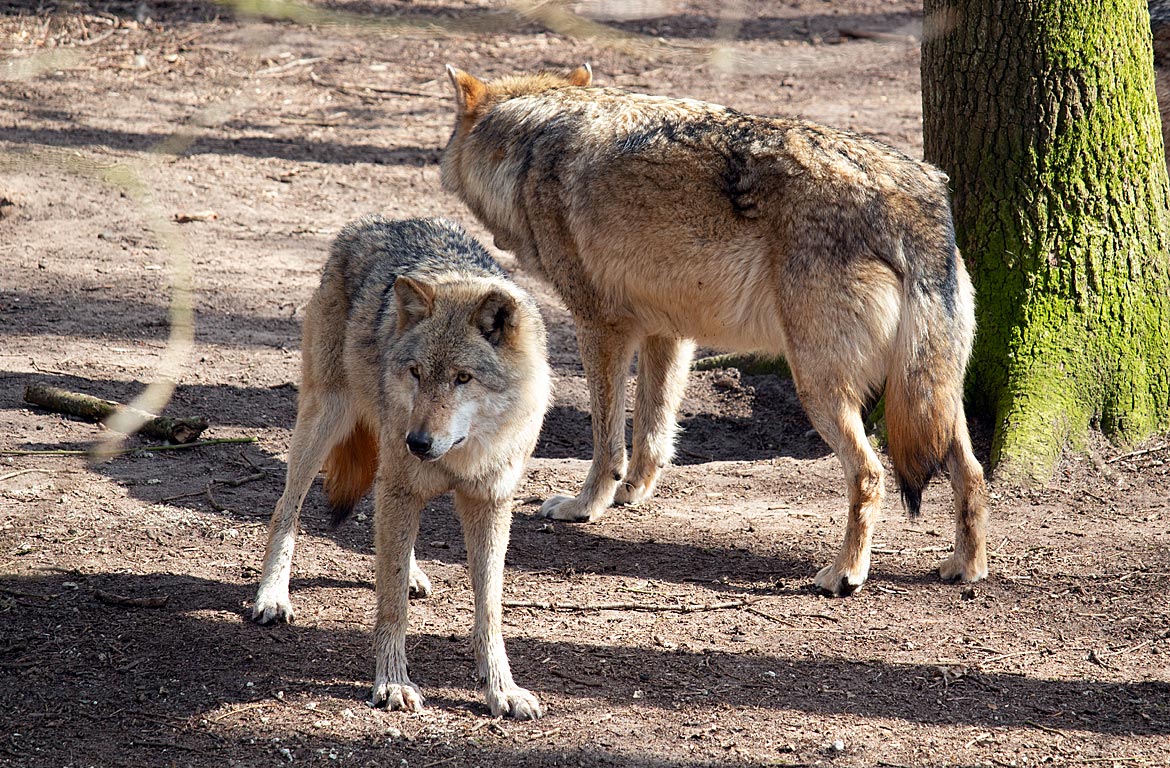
<point x="124" y="451"/>
<point x="352" y="87"/>
<point x="109" y="598"/>
<point x="20" y="472"/>
<point x="175" y="430"/>
<point x="1135" y="454"/>
<point x="652" y="607"/>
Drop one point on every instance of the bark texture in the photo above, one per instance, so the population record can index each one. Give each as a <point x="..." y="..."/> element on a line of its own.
<point x="1044" y="116"/>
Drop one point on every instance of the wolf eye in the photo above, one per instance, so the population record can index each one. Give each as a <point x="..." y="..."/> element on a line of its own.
<point x="414" y="372"/>
<point x="463" y="377"/>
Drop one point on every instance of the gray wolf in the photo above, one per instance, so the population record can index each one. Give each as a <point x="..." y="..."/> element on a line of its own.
<point x="662" y="222"/>
<point x="424" y="371"/>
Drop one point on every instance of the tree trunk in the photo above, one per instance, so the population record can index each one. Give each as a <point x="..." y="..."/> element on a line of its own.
<point x="1043" y="114"/>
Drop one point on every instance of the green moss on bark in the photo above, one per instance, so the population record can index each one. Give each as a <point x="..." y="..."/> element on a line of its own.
<point x="1045" y="118"/>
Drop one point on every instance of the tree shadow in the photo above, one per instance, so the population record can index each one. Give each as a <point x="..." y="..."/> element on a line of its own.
<point x="127" y="677"/>
<point x="299" y="149"/>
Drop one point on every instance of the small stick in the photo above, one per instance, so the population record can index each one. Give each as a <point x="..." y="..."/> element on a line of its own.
<point x="211" y="499"/>
<point x="343" y="87"/>
<point x="1003" y="656"/>
<point x="270" y="71"/>
<point x="20" y="472"/>
<point x="577" y="607"/>
<point x="1042" y="727"/>
<point x="124" y="451"/>
<point x="242" y="708"/>
<point x="242" y="480"/>
<point x="110" y="598"/>
<point x="176" y="430"/>
<point x="1107" y="654"/>
<point x="594" y="683"/>
<point x="1134" y="454"/>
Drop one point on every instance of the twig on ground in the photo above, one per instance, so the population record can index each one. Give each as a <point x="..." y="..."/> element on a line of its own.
<point x="590" y="682"/>
<point x="242" y="708"/>
<point x="242" y="480"/>
<point x="124" y="451"/>
<point x="20" y="472"/>
<point x="279" y="68"/>
<point x="653" y="607"/>
<point x="1013" y="654"/>
<point x="211" y="500"/>
<point x="1135" y="454"/>
<point x="353" y="87"/>
<point x="1047" y="728"/>
<point x="109" y="598"/>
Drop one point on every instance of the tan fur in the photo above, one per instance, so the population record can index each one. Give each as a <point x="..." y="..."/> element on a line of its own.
<point x="662" y="222"/>
<point x="349" y="468"/>
<point x="416" y="343"/>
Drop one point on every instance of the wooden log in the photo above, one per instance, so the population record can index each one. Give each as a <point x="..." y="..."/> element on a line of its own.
<point x="173" y="429"/>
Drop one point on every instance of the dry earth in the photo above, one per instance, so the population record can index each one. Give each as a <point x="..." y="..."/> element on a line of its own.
<point x="284" y="131"/>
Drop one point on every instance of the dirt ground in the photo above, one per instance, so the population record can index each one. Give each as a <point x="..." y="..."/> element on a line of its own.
<point x="272" y="135"/>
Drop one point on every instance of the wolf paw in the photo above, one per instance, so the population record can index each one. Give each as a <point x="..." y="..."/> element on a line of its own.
<point x="634" y="491"/>
<point x="420" y="585"/>
<point x="514" y="702"/>
<point x="952" y="569"/>
<point x="831" y="582"/>
<point x="272" y="609"/>
<point x="397" y="696"/>
<point x="569" y="508"/>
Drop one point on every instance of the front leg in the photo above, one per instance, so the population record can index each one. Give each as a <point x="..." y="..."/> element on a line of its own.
<point x="485" y="529"/>
<point x="605" y="354"/>
<point x="396" y="518"/>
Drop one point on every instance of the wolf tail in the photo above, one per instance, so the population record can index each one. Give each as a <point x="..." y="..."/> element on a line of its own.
<point x="924" y="384"/>
<point x="349" y="472"/>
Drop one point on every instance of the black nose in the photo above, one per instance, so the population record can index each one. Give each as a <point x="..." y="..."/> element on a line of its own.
<point x="419" y="443"/>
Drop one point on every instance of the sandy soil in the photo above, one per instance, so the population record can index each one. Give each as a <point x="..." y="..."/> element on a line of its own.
<point x="286" y="131"/>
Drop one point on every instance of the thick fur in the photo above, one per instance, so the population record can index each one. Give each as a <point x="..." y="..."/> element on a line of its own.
<point x="666" y="221"/>
<point x="416" y="335"/>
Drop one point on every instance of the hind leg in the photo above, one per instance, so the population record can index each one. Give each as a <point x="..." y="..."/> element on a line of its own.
<point x="663" y="364"/>
<point x="969" y="561"/>
<point x="836" y="414"/>
<point x="322" y="421"/>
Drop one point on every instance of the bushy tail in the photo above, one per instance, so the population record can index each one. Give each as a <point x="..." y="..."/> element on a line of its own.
<point x="349" y="472"/>
<point x="924" y="385"/>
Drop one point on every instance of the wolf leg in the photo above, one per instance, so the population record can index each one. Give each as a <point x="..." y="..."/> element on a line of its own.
<point x="969" y="560"/>
<point x="485" y="529"/>
<point x="663" y="364"/>
<point x="322" y="421"/>
<point x="837" y="418"/>
<point x="605" y="353"/>
<point x="420" y="585"/>
<point x="396" y="518"/>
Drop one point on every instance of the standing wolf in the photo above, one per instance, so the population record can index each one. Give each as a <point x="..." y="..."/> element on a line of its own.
<point x="661" y="221"/>
<point x="426" y="368"/>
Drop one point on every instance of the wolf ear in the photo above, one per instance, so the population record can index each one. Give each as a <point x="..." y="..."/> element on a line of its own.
<point x="496" y="317"/>
<point x="581" y="76"/>
<point x="415" y="301"/>
<point x="469" y="90"/>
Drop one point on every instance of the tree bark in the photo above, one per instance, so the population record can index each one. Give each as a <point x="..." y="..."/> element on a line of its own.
<point x="1043" y="114"/>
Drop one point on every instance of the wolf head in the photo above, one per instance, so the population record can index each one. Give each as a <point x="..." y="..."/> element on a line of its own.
<point x="474" y="98"/>
<point x="461" y="365"/>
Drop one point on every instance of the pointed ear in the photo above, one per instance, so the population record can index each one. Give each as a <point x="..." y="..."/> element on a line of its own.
<point x="581" y="76"/>
<point x="415" y="301"/>
<point x="469" y="90"/>
<point x="496" y="317"/>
